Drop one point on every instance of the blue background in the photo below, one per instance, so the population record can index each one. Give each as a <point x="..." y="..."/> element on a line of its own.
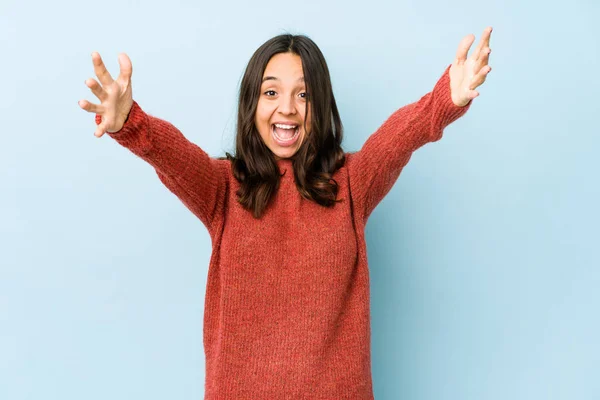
<point x="484" y="260"/>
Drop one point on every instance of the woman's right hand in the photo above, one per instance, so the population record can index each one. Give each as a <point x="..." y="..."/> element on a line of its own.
<point x="115" y="95"/>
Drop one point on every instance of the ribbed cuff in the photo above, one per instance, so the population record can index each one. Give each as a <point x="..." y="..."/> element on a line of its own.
<point x="133" y="122"/>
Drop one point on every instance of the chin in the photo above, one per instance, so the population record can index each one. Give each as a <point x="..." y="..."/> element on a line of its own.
<point x="284" y="153"/>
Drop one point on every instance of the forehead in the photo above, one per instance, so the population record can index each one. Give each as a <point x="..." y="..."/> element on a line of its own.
<point x="284" y="67"/>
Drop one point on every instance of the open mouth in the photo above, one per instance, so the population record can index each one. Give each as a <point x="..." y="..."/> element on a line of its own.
<point x="285" y="134"/>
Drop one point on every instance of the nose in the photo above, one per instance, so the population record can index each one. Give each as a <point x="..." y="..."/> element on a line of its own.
<point x="287" y="105"/>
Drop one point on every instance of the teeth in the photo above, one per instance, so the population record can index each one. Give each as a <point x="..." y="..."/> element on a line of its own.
<point x="282" y="139"/>
<point x="281" y="126"/>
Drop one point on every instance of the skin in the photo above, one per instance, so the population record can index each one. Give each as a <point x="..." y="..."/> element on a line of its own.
<point x="283" y="98"/>
<point x="468" y="73"/>
<point x="115" y="95"/>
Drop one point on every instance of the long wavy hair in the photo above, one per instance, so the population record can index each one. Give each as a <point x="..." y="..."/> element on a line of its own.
<point x="254" y="165"/>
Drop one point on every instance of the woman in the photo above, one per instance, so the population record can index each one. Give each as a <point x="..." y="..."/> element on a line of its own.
<point x="287" y="312"/>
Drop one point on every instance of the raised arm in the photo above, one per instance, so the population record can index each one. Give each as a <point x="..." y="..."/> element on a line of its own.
<point x="198" y="180"/>
<point x="374" y="169"/>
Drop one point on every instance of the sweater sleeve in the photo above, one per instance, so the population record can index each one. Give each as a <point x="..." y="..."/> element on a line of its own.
<point x="374" y="169"/>
<point x="198" y="180"/>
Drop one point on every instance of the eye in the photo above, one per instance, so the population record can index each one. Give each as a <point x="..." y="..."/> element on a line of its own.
<point x="270" y="91"/>
<point x="304" y="95"/>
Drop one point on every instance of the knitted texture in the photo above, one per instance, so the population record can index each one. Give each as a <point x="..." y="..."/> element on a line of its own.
<point x="287" y="307"/>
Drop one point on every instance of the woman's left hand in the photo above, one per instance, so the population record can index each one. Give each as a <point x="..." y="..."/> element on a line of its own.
<point x="466" y="74"/>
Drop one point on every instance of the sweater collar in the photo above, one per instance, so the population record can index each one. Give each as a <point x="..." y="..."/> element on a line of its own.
<point x="285" y="164"/>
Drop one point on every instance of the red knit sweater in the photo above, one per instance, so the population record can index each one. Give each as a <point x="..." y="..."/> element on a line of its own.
<point x="287" y="310"/>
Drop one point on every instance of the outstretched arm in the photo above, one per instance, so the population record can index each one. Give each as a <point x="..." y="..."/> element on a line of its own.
<point x="374" y="169"/>
<point x="199" y="181"/>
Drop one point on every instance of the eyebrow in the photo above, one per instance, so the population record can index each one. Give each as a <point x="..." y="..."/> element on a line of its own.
<point x="274" y="78"/>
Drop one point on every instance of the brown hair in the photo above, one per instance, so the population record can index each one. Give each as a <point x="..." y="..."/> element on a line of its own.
<point x="320" y="154"/>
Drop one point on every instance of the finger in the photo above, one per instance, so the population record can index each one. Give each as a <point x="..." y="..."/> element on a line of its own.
<point x="471" y="94"/>
<point x="463" y="48"/>
<point x="89" y="107"/>
<point x="483" y="43"/>
<point x="480" y="77"/>
<point x="483" y="60"/>
<point x="100" y="70"/>
<point x="126" y="67"/>
<point x="99" y="130"/>
<point x="98" y="91"/>
<point x="488" y="35"/>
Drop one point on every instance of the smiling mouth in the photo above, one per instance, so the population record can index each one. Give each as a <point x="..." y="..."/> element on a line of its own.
<point x="285" y="133"/>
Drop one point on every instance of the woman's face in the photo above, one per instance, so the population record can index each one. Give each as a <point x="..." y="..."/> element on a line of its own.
<point x="281" y="106"/>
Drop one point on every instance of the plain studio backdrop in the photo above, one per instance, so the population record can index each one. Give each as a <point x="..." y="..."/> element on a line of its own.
<point x="484" y="264"/>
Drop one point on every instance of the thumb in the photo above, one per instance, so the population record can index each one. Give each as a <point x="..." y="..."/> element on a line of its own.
<point x="126" y="67"/>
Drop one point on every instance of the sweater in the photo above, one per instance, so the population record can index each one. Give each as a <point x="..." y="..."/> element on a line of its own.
<point x="287" y="304"/>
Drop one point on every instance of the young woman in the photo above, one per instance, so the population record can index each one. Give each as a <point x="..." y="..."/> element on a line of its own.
<point x="287" y="312"/>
